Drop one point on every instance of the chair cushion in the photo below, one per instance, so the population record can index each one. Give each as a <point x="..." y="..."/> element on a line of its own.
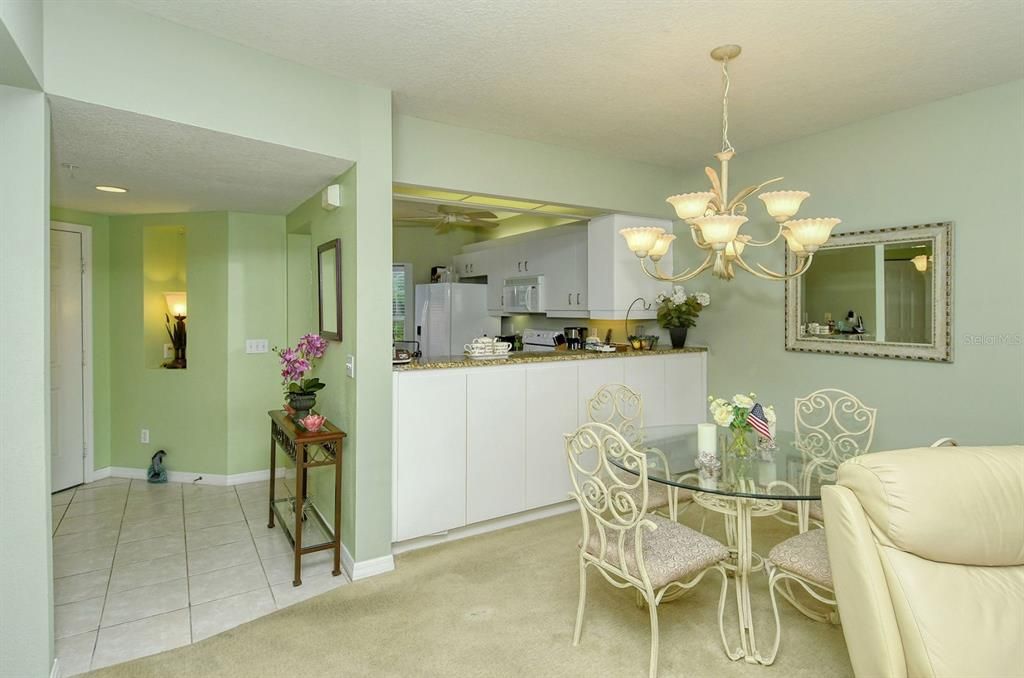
<point x="805" y="555"/>
<point x="815" y="513"/>
<point x="671" y="552"/>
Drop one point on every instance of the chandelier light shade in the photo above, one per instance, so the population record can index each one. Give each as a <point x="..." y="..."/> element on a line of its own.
<point x="715" y="220"/>
<point x="920" y="262"/>
<point x="661" y="246"/>
<point x="642" y="239"/>
<point x="783" y="204"/>
<point x="719" y="229"/>
<point x="690" y="205"/>
<point x="811" y="233"/>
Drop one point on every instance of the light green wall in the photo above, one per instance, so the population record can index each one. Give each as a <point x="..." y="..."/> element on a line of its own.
<point x="337" y="401"/>
<point x="434" y="154"/>
<point x="170" y="403"/>
<point x="100" y="275"/>
<point x="26" y="590"/>
<point x="257" y="282"/>
<point x="301" y="313"/>
<point x="423" y="248"/>
<point x="957" y="160"/>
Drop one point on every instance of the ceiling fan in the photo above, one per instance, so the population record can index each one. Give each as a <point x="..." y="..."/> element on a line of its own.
<point x="443" y="216"/>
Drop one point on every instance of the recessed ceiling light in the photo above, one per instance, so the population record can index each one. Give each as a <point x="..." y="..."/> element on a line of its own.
<point x="111" y="189"/>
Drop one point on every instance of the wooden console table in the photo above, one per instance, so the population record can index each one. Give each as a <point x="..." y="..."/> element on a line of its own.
<point x="307" y="450"/>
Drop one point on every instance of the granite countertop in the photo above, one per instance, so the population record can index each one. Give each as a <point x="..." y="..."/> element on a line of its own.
<point x="520" y="357"/>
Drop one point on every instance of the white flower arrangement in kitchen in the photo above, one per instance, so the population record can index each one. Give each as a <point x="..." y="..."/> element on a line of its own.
<point x="744" y="417"/>
<point x="678" y="311"/>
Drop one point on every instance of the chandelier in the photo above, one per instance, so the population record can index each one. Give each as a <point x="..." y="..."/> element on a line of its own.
<point x="715" y="219"/>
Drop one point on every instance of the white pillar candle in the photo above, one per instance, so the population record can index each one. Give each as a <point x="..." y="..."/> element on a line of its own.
<point x="707" y="438"/>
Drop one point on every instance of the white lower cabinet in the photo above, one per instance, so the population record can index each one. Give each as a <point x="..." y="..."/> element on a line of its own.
<point x="475" y="444"/>
<point x="551" y="412"/>
<point x="430" y="453"/>
<point x="495" y="439"/>
<point x="597" y="373"/>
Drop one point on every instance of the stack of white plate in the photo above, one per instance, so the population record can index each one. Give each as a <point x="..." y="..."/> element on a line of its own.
<point x="487" y="348"/>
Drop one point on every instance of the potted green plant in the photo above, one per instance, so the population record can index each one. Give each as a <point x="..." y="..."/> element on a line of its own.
<point x="677" y="312"/>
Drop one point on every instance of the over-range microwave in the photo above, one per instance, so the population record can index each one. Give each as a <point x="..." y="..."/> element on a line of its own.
<point x="524" y="295"/>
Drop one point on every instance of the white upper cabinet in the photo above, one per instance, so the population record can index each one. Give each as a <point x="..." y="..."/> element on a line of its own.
<point x="565" y="275"/>
<point x="615" y="278"/>
<point x="472" y="264"/>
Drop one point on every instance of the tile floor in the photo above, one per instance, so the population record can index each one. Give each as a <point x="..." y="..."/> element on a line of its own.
<point x="140" y="568"/>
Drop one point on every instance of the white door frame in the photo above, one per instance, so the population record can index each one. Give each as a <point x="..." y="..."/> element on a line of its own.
<point x="89" y="463"/>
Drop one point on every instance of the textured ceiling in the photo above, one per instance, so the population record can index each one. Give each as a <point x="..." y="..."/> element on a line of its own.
<point x="170" y="167"/>
<point x="632" y="78"/>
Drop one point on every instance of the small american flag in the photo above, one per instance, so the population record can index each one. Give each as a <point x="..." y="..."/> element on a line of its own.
<point x="757" y="421"/>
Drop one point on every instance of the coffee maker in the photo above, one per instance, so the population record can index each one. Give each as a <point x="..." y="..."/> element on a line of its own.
<point x="575" y="338"/>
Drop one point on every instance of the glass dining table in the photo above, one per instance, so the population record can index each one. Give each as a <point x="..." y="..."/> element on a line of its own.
<point x="743" y="488"/>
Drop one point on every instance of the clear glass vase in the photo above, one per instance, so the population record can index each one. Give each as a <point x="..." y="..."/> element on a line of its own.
<point x="741" y="443"/>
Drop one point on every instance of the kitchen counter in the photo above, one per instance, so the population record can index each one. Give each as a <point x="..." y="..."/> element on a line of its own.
<point x="521" y="357"/>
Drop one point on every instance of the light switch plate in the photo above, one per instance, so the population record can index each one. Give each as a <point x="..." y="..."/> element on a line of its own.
<point x="168" y="351"/>
<point x="257" y="345"/>
<point x="350" y="366"/>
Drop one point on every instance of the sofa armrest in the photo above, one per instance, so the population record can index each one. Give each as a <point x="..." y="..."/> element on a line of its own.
<point x="869" y="621"/>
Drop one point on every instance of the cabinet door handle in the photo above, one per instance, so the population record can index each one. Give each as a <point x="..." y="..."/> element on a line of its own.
<point x="519" y="266"/>
<point x="570" y="298"/>
<point x="526" y="266"/>
<point x="577" y="298"/>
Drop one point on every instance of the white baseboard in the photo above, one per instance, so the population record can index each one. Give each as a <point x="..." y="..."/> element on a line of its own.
<point x="189" y="477"/>
<point x="55" y="671"/>
<point x="98" y="474"/>
<point x="484" y="527"/>
<point x="365" y="568"/>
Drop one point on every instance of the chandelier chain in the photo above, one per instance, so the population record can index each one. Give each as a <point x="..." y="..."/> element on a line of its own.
<point x="726" y="146"/>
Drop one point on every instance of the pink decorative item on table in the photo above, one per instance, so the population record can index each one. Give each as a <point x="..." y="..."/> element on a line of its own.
<point x="312" y="422"/>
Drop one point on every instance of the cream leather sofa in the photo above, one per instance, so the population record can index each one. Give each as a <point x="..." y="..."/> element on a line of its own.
<point x="927" y="554"/>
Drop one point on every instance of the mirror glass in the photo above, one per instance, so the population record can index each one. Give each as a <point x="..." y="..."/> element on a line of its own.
<point x="879" y="293"/>
<point x="329" y="277"/>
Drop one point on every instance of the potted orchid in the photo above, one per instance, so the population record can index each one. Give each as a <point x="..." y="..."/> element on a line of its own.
<point x="744" y="429"/>
<point x="296" y="363"/>
<point x="677" y="312"/>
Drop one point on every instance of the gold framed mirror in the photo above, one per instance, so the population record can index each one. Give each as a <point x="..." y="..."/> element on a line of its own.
<point x="885" y="293"/>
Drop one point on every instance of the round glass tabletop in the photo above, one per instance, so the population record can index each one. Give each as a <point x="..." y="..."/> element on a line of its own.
<point x="775" y="470"/>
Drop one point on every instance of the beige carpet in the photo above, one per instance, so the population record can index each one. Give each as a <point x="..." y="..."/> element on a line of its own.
<point x="501" y="604"/>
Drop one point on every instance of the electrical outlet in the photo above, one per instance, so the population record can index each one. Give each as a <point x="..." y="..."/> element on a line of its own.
<point x="350" y="366"/>
<point x="144" y="436"/>
<point x="257" y="345"/>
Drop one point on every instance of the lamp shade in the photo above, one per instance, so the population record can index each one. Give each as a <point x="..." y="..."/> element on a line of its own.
<point x="783" y="204"/>
<point x="811" y="233"/>
<point x="720" y="229"/>
<point x="690" y="205"/>
<point x="660" y="248"/>
<point x="176" y="303"/>
<point x="641" y="239"/>
<point x="920" y="262"/>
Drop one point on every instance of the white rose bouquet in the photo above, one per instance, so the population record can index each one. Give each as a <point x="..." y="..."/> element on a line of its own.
<point x="732" y="414"/>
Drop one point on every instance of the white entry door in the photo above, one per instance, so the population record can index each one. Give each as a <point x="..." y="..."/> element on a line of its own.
<point x="67" y="403"/>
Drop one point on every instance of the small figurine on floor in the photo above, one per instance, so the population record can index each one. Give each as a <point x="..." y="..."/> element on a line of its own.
<point x="156" y="473"/>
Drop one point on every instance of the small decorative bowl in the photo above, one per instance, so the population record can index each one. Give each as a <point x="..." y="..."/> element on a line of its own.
<point x="312" y="422"/>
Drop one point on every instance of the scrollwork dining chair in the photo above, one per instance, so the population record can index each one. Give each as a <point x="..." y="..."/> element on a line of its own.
<point x="831" y="426"/>
<point x="622" y="408"/>
<point x="630" y="547"/>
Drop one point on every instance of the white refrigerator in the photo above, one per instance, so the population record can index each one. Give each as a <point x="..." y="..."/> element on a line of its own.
<point x="450" y="315"/>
